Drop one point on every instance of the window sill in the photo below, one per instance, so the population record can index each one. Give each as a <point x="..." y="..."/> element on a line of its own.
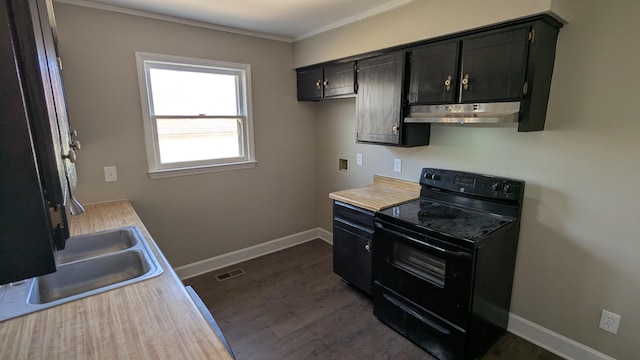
<point x="166" y="173"/>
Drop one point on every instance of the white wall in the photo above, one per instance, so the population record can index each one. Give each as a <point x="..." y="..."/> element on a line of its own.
<point x="199" y="216"/>
<point x="579" y="242"/>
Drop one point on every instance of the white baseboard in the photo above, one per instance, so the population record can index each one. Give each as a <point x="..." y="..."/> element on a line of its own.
<point x="552" y="341"/>
<point x="325" y="235"/>
<point x="234" y="257"/>
<point x="530" y="331"/>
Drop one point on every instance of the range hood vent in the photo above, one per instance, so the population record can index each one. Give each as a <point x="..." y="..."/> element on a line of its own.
<point x="482" y="113"/>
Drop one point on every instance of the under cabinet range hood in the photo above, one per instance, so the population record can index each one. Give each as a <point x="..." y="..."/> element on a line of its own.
<point x="480" y="113"/>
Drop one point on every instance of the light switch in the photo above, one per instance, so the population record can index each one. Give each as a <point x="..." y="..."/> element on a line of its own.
<point x="110" y="173"/>
<point x="359" y="159"/>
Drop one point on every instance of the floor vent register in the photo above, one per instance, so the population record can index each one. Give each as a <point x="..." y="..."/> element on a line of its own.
<point x="230" y="274"/>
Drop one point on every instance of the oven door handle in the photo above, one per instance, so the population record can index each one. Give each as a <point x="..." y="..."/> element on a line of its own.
<point x="425" y="244"/>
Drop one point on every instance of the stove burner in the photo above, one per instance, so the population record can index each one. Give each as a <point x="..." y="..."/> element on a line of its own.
<point x="457" y="222"/>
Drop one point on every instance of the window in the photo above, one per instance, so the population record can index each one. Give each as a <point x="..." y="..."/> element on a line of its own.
<point x="197" y="114"/>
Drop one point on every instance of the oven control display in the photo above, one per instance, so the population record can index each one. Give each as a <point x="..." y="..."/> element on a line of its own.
<point x="465" y="181"/>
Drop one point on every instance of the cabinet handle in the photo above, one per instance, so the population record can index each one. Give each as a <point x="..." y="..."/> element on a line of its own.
<point x="326" y="83"/>
<point x="367" y="247"/>
<point x="395" y="128"/>
<point x="447" y="83"/>
<point x="75" y="145"/>
<point x="465" y="81"/>
<point x="71" y="156"/>
<point x="318" y="84"/>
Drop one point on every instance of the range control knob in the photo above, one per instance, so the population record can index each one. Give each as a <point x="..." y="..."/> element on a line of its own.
<point x="497" y="186"/>
<point x="430" y="176"/>
<point x="508" y="188"/>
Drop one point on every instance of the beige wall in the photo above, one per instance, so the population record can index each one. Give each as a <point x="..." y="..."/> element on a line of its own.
<point x="199" y="216"/>
<point x="580" y="236"/>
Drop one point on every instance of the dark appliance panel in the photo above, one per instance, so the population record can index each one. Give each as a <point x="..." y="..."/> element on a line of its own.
<point x="464" y="227"/>
<point x="38" y="156"/>
<point x="430" y="332"/>
<point x="443" y="264"/>
<point x="430" y="272"/>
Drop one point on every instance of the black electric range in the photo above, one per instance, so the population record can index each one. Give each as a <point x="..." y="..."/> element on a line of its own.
<point x="443" y="264"/>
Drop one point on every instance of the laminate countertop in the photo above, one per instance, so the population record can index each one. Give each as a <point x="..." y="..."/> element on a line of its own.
<point x="385" y="192"/>
<point x="152" y="319"/>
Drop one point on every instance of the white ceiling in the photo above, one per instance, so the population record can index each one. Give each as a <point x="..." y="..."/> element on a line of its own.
<point x="285" y="19"/>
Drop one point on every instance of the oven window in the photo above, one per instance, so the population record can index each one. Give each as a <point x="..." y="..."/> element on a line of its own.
<point x="424" y="265"/>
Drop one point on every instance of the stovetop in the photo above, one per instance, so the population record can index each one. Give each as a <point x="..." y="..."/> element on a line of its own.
<point x="453" y="221"/>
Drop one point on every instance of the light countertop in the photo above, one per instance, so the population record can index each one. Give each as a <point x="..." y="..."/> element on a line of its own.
<point x="153" y="319"/>
<point x="385" y="192"/>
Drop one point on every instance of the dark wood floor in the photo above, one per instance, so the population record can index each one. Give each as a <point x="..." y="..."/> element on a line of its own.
<point x="290" y="305"/>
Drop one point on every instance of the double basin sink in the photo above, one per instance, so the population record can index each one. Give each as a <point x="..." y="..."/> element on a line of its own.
<point x="89" y="264"/>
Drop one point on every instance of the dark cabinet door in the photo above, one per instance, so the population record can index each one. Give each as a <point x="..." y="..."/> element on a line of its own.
<point x="494" y="65"/>
<point x="379" y="100"/>
<point x="352" y="257"/>
<point x="310" y="84"/>
<point x="42" y="80"/>
<point x="339" y="80"/>
<point x="34" y="132"/>
<point x="433" y="74"/>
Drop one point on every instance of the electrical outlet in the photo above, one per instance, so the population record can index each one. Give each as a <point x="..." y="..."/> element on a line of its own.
<point x="110" y="173"/>
<point x="359" y="159"/>
<point x="397" y="165"/>
<point x="609" y="321"/>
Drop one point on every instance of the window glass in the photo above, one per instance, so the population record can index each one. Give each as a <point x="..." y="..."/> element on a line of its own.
<point x="197" y="114"/>
<point x="195" y="139"/>
<point x="193" y="93"/>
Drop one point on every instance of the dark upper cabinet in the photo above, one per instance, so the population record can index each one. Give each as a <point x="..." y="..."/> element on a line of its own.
<point x="493" y="66"/>
<point x="326" y="82"/>
<point x="433" y="75"/>
<point x="339" y="80"/>
<point x="36" y="146"/>
<point x="503" y="63"/>
<point x="508" y="62"/>
<point x="310" y="84"/>
<point x="482" y="68"/>
<point x="379" y="110"/>
<point x="378" y="104"/>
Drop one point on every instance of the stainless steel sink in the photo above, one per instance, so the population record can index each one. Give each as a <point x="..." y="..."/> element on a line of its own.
<point x="81" y="277"/>
<point x="95" y="263"/>
<point x="85" y="246"/>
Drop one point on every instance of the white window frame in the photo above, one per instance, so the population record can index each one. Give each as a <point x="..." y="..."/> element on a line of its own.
<point x="146" y="61"/>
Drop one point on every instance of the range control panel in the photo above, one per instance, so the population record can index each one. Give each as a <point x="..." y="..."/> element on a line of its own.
<point x="470" y="183"/>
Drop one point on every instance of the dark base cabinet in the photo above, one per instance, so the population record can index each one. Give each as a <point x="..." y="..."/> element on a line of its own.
<point x="352" y="235"/>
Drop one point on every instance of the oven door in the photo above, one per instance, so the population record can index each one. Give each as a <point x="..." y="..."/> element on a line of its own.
<point x="435" y="275"/>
